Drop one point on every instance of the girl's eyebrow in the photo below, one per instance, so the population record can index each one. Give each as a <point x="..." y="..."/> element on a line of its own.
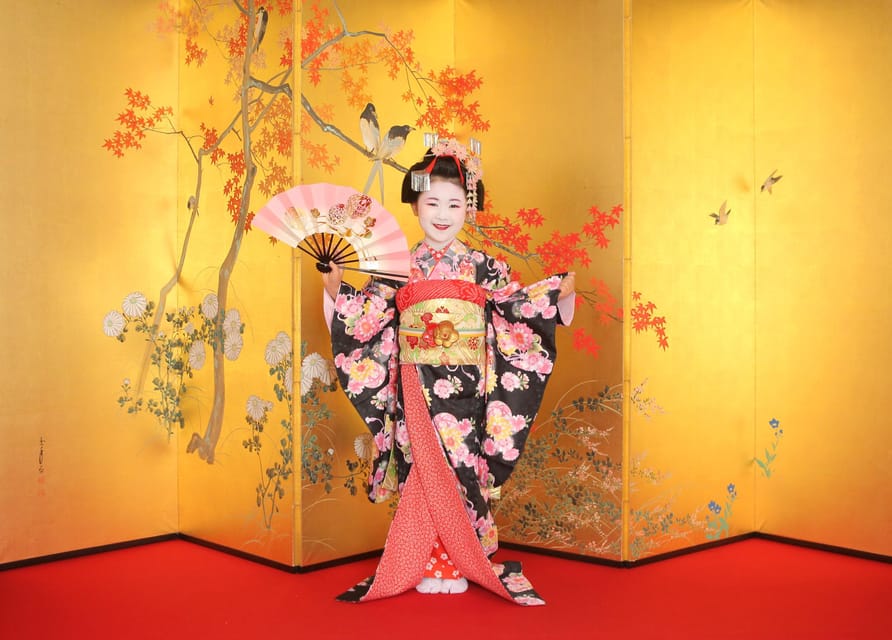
<point x="433" y="198"/>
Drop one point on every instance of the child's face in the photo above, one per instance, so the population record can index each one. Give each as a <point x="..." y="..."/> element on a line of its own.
<point x="441" y="212"/>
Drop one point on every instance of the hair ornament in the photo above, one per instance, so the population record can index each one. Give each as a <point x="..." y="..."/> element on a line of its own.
<point x="467" y="159"/>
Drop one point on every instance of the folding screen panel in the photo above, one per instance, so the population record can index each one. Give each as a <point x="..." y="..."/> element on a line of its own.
<point x="691" y="274"/>
<point x="823" y="428"/>
<point x="84" y="231"/>
<point x="757" y="155"/>
<point x="237" y="468"/>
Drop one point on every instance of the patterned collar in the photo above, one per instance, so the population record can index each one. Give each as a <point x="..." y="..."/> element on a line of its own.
<point x="424" y="250"/>
<point x="437" y="254"/>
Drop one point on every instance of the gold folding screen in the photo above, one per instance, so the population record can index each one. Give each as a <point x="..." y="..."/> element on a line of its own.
<point x="717" y="379"/>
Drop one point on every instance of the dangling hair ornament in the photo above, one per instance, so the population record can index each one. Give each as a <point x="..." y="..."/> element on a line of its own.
<point x="467" y="160"/>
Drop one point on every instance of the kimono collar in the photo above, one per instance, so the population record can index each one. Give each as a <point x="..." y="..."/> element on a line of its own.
<point x="424" y="250"/>
<point x="437" y="254"/>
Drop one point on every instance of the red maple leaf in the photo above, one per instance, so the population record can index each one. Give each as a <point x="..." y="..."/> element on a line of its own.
<point x="582" y="341"/>
<point x="194" y="53"/>
<point x="531" y="217"/>
<point x="287" y="59"/>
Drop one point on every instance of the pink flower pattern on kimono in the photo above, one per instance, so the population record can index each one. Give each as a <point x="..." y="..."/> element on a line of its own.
<point x="529" y="600"/>
<point x="513" y="337"/>
<point x="461" y="456"/>
<point x="364" y="319"/>
<point x="521" y="347"/>
<point x="467" y="271"/>
<point x="348" y="306"/>
<point x="383" y="440"/>
<point x="383" y="398"/>
<point x="517" y="582"/>
<point x="445" y="387"/>
<point x="452" y="430"/>
<point x="534" y="361"/>
<point x="501" y="425"/>
<point x="363" y="373"/>
<point x="388" y="345"/>
<point x="513" y="382"/>
<point x="377" y="480"/>
<point x="483" y="475"/>
<point x="487" y="532"/>
<point x="538" y="307"/>
<point x="402" y="436"/>
<point x="539" y="302"/>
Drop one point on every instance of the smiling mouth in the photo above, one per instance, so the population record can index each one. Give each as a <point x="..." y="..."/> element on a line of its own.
<point x="441" y="227"/>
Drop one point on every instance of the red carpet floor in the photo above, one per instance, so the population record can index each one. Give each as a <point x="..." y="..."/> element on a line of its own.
<point x="749" y="589"/>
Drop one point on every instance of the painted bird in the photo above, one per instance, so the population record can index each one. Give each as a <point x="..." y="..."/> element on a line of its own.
<point x="770" y="181"/>
<point x="722" y="216"/>
<point x="394" y="141"/>
<point x="368" y="126"/>
<point x="381" y="148"/>
<point x="260" y="22"/>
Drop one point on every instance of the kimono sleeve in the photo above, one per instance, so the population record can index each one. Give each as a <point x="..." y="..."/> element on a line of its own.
<point x="363" y="339"/>
<point x="521" y="356"/>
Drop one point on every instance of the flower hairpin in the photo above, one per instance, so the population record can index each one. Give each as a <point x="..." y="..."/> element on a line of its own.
<point x="466" y="159"/>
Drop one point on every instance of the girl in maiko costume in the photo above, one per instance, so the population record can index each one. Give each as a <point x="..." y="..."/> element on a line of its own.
<point x="447" y="371"/>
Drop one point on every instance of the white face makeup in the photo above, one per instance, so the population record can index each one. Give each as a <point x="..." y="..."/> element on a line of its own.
<point x="441" y="212"/>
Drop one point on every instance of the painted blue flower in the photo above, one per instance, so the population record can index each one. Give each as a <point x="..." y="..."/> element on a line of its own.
<point x="714" y="507"/>
<point x="732" y="490"/>
<point x="774" y="422"/>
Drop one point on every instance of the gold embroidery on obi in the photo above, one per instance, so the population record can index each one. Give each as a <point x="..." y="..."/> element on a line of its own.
<point x="443" y="331"/>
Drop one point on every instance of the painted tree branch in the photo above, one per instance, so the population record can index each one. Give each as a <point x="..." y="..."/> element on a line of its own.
<point x="206" y="445"/>
<point x="327" y="127"/>
<point x="194" y="199"/>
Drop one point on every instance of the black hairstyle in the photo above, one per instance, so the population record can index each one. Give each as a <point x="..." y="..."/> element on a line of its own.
<point x="445" y="168"/>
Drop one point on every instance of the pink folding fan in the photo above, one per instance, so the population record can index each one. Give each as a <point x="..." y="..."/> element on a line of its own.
<point x="338" y="224"/>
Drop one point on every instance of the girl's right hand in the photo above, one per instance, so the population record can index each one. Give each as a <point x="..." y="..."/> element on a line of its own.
<point x="332" y="280"/>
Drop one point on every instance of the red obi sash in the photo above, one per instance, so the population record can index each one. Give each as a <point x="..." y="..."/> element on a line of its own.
<point x="422" y="290"/>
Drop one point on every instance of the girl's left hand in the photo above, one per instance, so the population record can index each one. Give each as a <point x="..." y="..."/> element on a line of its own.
<point x="568" y="285"/>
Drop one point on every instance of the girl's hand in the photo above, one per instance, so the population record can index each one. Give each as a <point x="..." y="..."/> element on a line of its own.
<point x="332" y="280"/>
<point x="568" y="285"/>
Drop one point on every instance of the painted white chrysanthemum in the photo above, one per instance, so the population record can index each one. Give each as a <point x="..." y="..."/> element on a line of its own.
<point x="364" y="446"/>
<point x="232" y="322"/>
<point x="306" y="383"/>
<point x="278" y="349"/>
<point x="318" y="365"/>
<point x="113" y="324"/>
<point x="209" y="306"/>
<point x="134" y="304"/>
<point x="232" y="346"/>
<point x="289" y="379"/>
<point x="197" y="355"/>
<point x="257" y="407"/>
<point x="189" y="329"/>
<point x="329" y="374"/>
<point x="313" y="366"/>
